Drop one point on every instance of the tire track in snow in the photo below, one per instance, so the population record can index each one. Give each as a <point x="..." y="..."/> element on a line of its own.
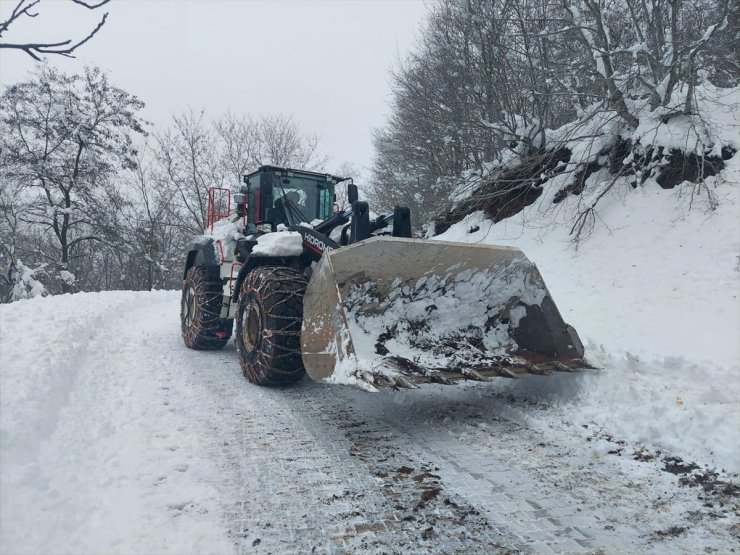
<point x="555" y="492"/>
<point x="295" y="483"/>
<point x="410" y="509"/>
<point x="318" y="467"/>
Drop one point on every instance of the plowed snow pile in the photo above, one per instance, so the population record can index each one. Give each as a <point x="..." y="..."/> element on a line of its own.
<point x="425" y="321"/>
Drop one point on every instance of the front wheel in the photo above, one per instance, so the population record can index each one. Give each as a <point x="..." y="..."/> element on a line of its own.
<point x="200" y="312"/>
<point x="269" y="315"/>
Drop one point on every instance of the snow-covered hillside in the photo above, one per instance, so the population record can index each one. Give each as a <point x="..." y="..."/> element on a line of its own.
<point x="655" y="295"/>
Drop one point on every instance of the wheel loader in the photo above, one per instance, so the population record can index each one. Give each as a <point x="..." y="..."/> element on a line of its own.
<point x="350" y="297"/>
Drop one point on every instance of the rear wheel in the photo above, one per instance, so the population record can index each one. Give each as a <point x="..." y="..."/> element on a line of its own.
<point x="200" y="312"/>
<point x="268" y="325"/>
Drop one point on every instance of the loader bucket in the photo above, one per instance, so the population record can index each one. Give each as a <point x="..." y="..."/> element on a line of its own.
<point x="396" y="312"/>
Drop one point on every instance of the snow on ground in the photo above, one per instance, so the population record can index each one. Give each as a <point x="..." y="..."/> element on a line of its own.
<point x="654" y="294"/>
<point x="115" y="438"/>
<point x="93" y="460"/>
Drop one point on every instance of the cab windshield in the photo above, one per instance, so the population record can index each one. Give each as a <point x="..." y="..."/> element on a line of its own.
<point x="305" y="199"/>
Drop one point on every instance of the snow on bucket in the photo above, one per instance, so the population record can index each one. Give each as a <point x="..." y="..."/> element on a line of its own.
<point x="394" y="312"/>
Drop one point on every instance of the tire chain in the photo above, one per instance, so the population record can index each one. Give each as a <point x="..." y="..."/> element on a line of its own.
<point x="288" y="285"/>
<point x="207" y="319"/>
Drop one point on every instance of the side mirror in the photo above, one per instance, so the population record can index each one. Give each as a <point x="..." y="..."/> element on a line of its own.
<point x="352" y="194"/>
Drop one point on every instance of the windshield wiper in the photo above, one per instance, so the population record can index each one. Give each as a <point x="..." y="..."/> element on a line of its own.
<point x="291" y="209"/>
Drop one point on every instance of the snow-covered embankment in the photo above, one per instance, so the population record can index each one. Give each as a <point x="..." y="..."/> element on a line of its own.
<point x="654" y="293"/>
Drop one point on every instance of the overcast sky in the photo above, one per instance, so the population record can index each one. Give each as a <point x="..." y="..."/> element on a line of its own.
<point x="325" y="62"/>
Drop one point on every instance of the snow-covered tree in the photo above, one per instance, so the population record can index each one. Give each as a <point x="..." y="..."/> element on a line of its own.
<point x="489" y="78"/>
<point x="63" y="138"/>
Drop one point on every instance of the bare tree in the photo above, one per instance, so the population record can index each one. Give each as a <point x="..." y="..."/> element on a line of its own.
<point x="26" y="8"/>
<point x="239" y="145"/>
<point x="280" y="142"/>
<point x="154" y="240"/>
<point x="195" y="154"/>
<point x="188" y="164"/>
<point x="10" y="210"/>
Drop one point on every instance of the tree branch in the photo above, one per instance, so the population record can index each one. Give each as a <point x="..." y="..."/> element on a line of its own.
<point x="18" y="11"/>
<point x="38" y="49"/>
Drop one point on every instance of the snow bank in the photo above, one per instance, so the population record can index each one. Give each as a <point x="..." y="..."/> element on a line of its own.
<point x="705" y="133"/>
<point x="655" y="295"/>
<point x="665" y="146"/>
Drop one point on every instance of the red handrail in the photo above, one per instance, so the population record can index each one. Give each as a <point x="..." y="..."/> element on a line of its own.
<point x="215" y="211"/>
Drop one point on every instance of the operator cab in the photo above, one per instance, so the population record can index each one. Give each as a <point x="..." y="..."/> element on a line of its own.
<point x="286" y="196"/>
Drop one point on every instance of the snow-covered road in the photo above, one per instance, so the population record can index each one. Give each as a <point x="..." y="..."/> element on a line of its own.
<point x="117" y="439"/>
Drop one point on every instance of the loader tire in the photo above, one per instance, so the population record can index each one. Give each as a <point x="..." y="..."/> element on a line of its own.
<point x="200" y="312"/>
<point x="268" y="318"/>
